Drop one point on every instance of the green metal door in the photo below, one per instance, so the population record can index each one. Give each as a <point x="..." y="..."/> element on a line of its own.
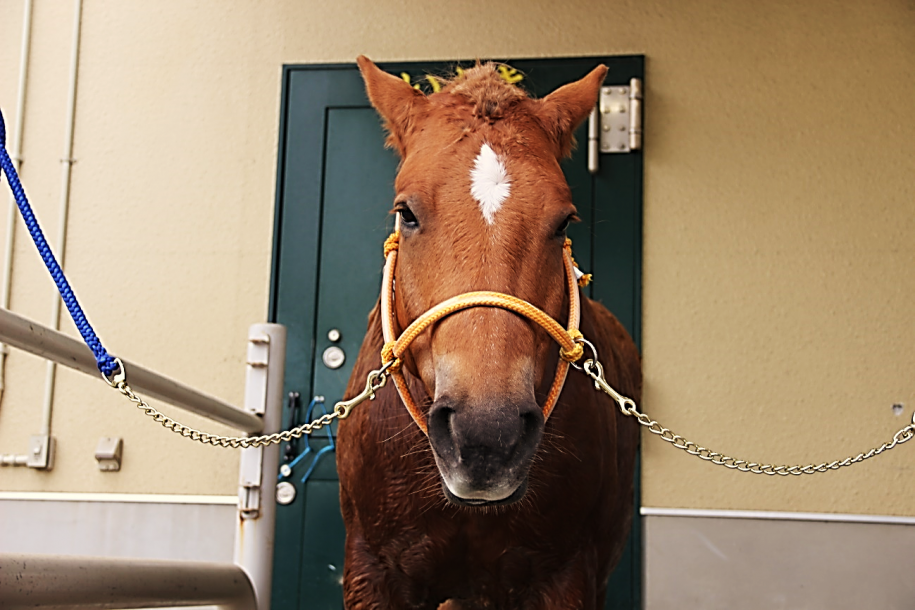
<point x="334" y="190"/>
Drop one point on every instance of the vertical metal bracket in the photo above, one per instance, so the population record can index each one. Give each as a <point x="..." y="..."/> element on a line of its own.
<point x="249" y="482"/>
<point x="256" y="376"/>
<point x="621" y="117"/>
<point x="250" y="476"/>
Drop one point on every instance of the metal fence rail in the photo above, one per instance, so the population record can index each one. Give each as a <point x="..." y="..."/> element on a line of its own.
<point x="45" y="342"/>
<point x="52" y="581"/>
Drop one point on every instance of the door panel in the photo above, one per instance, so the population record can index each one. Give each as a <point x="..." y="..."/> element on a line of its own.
<point x="358" y="192"/>
<point x="334" y="191"/>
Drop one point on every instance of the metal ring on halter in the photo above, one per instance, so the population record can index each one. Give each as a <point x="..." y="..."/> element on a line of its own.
<point x="588" y="344"/>
<point x="383" y="371"/>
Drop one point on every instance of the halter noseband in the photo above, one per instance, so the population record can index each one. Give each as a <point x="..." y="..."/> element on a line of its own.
<point x="395" y="347"/>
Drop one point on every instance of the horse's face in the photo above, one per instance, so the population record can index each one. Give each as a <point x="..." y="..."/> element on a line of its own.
<point x="483" y="205"/>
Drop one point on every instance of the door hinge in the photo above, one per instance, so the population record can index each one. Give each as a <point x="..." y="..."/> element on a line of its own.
<point x="615" y="125"/>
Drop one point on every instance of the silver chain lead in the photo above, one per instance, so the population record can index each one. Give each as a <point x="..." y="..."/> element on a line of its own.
<point x="374" y="382"/>
<point x="595" y="371"/>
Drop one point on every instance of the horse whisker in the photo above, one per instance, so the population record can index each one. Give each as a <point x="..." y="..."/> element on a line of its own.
<point x="396" y="434"/>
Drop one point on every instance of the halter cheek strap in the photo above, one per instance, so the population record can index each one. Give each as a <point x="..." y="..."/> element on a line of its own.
<point x="395" y="347"/>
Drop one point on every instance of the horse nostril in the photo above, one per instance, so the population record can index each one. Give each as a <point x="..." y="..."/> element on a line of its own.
<point x="531" y="430"/>
<point x="441" y="428"/>
<point x="531" y="423"/>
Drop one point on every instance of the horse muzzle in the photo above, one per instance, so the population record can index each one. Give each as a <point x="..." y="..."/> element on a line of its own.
<point x="484" y="451"/>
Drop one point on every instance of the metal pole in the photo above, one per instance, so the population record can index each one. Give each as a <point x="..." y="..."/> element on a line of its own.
<point x="52" y="582"/>
<point x="16" y="156"/>
<point x="63" y="213"/>
<point x="258" y="470"/>
<point x="54" y="345"/>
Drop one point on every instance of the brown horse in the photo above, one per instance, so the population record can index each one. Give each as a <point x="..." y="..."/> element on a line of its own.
<point x="496" y="507"/>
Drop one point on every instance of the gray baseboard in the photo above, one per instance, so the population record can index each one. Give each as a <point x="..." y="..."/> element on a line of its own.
<point x="191" y="528"/>
<point x="752" y="561"/>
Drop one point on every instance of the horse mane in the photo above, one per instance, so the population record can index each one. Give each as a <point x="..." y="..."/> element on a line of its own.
<point x="489" y="94"/>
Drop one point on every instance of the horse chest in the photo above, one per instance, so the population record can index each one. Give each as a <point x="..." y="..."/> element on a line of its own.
<point x="484" y="562"/>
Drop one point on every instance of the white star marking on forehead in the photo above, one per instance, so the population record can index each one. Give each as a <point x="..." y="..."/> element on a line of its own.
<point x="490" y="184"/>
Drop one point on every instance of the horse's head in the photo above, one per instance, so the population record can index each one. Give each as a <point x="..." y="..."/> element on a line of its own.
<point x="483" y="205"/>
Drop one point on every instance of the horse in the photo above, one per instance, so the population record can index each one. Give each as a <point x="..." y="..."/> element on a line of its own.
<point x="479" y="500"/>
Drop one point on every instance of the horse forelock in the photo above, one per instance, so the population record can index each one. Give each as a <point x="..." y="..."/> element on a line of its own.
<point x="486" y="91"/>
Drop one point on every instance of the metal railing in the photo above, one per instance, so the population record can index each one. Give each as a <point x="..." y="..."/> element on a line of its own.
<point x="24" y="334"/>
<point x="50" y="581"/>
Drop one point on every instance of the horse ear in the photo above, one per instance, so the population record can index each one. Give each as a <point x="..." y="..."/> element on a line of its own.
<point x="563" y="110"/>
<point x="394" y="99"/>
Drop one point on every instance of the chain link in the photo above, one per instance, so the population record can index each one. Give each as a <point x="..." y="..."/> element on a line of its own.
<point x="628" y="407"/>
<point x="374" y="381"/>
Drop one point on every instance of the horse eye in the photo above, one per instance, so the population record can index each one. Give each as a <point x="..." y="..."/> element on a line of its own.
<point x="561" y="231"/>
<point x="407" y="218"/>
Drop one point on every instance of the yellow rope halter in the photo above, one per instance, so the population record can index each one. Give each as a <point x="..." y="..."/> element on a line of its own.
<point x="395" y="347"/>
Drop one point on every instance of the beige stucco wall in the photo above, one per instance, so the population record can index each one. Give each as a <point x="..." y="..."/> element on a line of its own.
<point x="779" y="219"/>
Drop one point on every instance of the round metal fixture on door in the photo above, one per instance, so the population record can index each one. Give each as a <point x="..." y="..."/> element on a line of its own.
<point x="285" y="493"/>
<point x="333" y="335"/>
<point x="333" y="357"/>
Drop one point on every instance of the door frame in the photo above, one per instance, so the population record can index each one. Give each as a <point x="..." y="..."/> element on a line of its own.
<point x="619" y="185"/>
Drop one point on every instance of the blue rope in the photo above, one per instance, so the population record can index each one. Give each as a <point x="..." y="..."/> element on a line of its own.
<point x="106" y="364"/>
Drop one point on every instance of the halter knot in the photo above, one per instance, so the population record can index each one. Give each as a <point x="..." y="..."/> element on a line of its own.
<point x="585" y="278"/>
<point x="575" y="353"/>
<point x="387" y="355"/>
<point x="391" y="243"/>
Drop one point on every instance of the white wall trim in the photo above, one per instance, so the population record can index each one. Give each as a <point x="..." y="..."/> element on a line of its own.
<point x="103" y="497"/>
<point x="648" y="511"/>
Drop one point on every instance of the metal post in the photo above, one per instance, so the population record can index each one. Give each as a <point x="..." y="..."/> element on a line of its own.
<point x="52" y="581"/>
<point x="16" y="156"/>
<point x="44" y="443"/>
<point x="266" y="365"/>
